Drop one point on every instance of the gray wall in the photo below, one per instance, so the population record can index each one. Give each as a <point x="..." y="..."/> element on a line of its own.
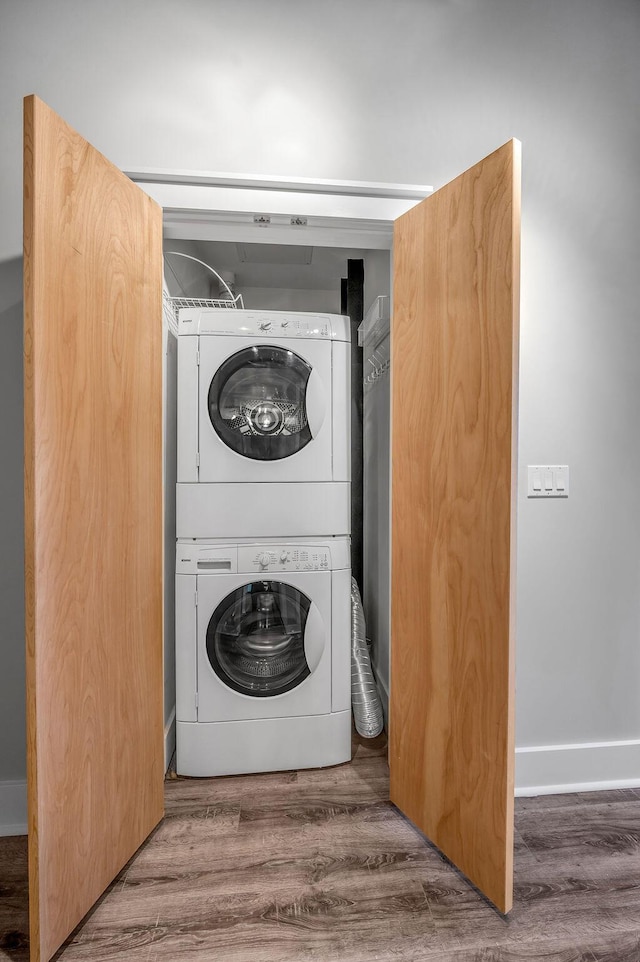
<point x="12" y="707"/>
<point x="413" y="91"/>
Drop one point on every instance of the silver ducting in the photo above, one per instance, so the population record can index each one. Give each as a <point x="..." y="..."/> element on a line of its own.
<point x="365" y="700"/>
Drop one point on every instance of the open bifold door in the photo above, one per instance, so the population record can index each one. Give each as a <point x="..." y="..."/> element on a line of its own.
<point x="454" y="394"/>
<point x="93" y="522"/>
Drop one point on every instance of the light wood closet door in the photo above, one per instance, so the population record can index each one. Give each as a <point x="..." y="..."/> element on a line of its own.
<point x="454" y="392"/>
<point x="93" y="514"/>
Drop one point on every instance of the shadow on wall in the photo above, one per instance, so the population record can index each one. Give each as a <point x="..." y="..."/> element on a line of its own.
<point x="12" y="660"/>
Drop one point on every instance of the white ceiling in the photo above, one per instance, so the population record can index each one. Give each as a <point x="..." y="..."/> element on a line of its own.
<point x="324" y="272"/>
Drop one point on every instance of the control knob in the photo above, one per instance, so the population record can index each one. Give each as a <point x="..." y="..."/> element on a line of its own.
<point x="263" y="560"/>
<point x="265" y="325"/>
<point x="284" y="557"/>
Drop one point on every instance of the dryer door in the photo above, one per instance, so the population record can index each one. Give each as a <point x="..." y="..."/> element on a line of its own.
<point x="265" y="410"/>
<point x="257" y="403"/>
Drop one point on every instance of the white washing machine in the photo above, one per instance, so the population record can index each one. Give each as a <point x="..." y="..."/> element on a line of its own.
<point x="264" y="398"/>
<point x="263" y="655"/>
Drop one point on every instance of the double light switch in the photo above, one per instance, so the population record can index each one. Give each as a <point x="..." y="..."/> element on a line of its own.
<point x="548" y="481"/>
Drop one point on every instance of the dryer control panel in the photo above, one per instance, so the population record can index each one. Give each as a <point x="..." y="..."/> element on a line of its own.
<point x="283" y="558"/>
<point x="280" y="324"/>
<point x="289" y="327"/>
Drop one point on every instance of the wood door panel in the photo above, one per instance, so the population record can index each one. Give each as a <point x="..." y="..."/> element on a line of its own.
<point x="93" y="522"/>
<point x="454" y="391"/>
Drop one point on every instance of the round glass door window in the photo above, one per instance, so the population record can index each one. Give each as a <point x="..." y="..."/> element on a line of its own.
<point x="255" y="638"/>
<point x="257" y="403"/>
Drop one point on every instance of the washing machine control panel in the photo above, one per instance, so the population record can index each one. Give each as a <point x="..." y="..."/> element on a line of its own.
<point x="283" y="558"/>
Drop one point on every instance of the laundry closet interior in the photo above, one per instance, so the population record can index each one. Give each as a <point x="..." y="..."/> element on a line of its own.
<point x="317" y="281"/>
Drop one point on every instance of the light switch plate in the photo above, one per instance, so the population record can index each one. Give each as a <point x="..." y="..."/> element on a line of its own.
<point x="547" y="480"/>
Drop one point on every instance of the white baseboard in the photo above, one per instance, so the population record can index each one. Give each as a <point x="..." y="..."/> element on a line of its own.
<point x="13" y="807"/>
<point x="587" y="767"/>
<point x="540" y="770"/>
<point x="170" y="738"/>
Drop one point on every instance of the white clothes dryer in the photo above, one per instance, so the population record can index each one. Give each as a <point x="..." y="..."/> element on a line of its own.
<point x="263" y="656"/>
<point x="263" y="398"/>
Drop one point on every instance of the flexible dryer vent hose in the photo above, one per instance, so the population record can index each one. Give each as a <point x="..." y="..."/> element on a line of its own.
<point x="365" y="700"/>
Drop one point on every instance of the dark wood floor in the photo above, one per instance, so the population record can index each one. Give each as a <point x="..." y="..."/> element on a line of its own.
<point x="317" y="866"/>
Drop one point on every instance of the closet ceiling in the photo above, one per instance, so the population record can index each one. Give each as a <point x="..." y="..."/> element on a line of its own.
<point x="272" y="265"/>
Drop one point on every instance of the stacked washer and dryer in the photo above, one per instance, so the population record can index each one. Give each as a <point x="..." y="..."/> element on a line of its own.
<point x="263" y="577"/>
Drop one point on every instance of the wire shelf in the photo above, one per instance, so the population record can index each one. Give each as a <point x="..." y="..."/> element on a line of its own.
<point x="377" y="363"/>
<point x="177" y="303"/>
<point x="172" y="305"/>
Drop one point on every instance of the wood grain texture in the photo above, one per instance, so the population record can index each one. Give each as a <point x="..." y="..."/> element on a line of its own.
<point x="318" y="866"/>
<point x="93" y="521"/>
<point x="454" y="392"/>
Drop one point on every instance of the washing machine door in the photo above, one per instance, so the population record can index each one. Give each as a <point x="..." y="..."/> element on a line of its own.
<point x="261" y="640"/>
<point x="264" y="403"/>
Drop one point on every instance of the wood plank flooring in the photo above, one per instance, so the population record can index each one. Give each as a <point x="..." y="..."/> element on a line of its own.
<point x="318" y="866"/>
